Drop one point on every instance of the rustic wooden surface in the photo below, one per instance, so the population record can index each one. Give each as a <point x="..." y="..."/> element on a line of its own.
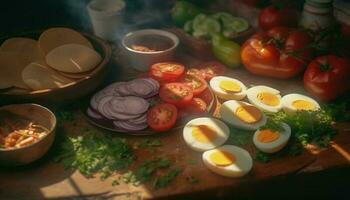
<point x="46" y="179"/>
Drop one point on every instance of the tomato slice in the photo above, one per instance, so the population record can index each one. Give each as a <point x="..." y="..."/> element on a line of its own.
<point x="167" y="71"/>
<point x="178" y="94"/>
<point x="197" y="83"/>
<point x="211" y="69"/>
<point x="196" y="72"/>
<point x="197" y="105"/>
<point x="162" y="117"/>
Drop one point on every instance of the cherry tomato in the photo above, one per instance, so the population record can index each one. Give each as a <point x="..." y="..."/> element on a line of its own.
<point x="162" y="117"/>
<point x="211" y="69"/>
<point x="178" y="94"/>
<point x="272" y="16"/>
<point x="197" y="105"/>
<point x="327" y="77"/>
<point x="166" y="71"/>
<point x="197" y="83"/>
<point x="280" y="53"/>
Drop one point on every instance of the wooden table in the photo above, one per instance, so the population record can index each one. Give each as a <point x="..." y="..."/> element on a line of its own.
<point x="46" y="179"/>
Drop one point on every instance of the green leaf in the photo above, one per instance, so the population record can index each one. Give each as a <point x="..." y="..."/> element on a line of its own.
<point x="163" y="181"/>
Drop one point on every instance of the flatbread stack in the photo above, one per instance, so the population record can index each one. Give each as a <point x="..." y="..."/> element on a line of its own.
<point x="58" y="58"/>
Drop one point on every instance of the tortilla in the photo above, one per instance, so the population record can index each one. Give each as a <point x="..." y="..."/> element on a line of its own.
<point x="39" y="77"/>
<point x="55" y="37"/>
<point x="73" y="58"/>
<point x="76" y="75"/>
<point x="11" y="67"/>
<point x="26" y="46"/>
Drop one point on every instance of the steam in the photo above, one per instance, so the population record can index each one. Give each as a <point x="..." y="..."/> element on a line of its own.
<point x="137" y="15"/>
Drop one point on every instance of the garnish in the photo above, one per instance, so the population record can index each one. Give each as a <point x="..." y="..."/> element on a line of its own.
<point x="240" y="137"/>
<point x="307" y="127"/>
<point x="91" y="154"/>
<point x="115" y="183"/>
<point x="150" y="145"/>
<point x="164" y="181"/>
<point x="272" y="125"/>
<point x="192" y="179"/>
<point x="145" y="171"/>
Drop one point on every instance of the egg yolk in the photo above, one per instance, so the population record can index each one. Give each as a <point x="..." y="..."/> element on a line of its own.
<point x="222" y="158"/>
<point x="267" y="136"/>
<point x="248" y="114"/>
<point x="203" y="134"/>
<point x="230" y="86"/>
<point x="303" y="105"/>
<point x="268" y="98"/>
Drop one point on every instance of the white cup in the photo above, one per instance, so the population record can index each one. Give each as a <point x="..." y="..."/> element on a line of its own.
<point x="106" y="17"/>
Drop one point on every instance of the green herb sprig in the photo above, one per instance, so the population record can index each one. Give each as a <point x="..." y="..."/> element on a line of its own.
<point x="307" y="127"/>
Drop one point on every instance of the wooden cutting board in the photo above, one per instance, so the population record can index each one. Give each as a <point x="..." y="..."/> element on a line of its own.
<point x="46" y="179"/>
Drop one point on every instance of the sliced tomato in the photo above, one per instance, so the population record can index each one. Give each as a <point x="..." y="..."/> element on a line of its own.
<point x="162" y="117"/>
<point x="196" y="72"/>
<point x="197" y="83"/>
<point x="178" y="94"/>
<point x="166" y="71"/>
<point x="197" y="105"/>
<point x="211" y="69"/>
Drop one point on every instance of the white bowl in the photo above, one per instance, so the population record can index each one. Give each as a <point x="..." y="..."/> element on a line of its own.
<point x="142" y="60"/>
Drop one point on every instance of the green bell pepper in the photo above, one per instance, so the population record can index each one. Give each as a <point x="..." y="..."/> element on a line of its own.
<point x="183" y="11"/>
<point x="226" y="51"/>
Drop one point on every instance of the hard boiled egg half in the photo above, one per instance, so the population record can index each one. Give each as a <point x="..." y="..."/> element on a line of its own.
<point x="228" y="88"/>
<point x="205" y="133"/>
<point x="292" y="103"/>
<point x="265" y="98"/>
<point x="242" y="115"/>
<point x="271" y="141"/>
<point x="228" y="160"/>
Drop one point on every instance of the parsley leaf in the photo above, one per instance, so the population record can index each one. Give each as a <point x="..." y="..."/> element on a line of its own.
<point x="150" y="145"/>
<point x="163" y="181"/>
<point x="91" y="154"/>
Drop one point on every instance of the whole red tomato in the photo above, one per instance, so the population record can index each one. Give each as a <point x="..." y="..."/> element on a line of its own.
<point x="280" y="53"/>
<point x="327" y="77"/>
<point x="273" y="16"/>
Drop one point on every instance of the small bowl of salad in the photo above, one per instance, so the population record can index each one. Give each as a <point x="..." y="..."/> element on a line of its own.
<point x="27" y="132"/>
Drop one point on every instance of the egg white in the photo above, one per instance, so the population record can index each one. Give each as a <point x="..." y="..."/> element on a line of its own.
<point x="252" y="95"/>
<point x="288" y="100"/>
<point x="276" y="145"/>
<point x="240" y="167"/>
<point x="227" y="112"/>
<point x="215" y="86"/>
<point x="218" y="126"/>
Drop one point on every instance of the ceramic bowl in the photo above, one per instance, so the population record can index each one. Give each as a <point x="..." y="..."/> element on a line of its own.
<point x="141" y="60"/>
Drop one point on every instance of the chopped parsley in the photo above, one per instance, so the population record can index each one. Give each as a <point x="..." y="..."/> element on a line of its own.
<point x="192" y="179"/>
<point x="150" y="145"/>
<point x="91" y="154"/>
<point x="145" y="171"/>
<point x="165" y="180"/>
